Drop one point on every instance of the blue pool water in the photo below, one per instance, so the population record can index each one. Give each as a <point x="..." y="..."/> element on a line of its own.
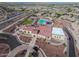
<point x="57" y="31"/>
<point x="43" y="21"/>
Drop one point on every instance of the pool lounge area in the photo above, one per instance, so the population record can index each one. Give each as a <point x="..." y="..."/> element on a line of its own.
<point x="57" y="31"/>
<point x="58" y="34"/>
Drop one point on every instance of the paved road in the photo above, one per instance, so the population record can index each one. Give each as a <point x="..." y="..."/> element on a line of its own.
<point x="16" y="50"/>
<point x="31" y="45"/>
<point x="5" y="13"/>
<point x="9" y="39"/>
<point x="71" y="43"/>
<point x="6" y="23"/>
<point x="16" y="19"/>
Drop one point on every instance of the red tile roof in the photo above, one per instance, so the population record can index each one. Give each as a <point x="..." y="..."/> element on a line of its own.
<point x="44" y="30"/>
<point x="25" y="38"/>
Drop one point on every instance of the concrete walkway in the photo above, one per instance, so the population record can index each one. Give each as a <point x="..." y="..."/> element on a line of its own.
<point x="31" y="45"/>
<point x="18" y="49"/>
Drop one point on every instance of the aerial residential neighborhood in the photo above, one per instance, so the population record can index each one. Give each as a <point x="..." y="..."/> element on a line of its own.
<point x="32" y="29"/>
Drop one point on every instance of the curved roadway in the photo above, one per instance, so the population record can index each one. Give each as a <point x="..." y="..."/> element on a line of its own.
<point x="71" y="43"/>
<point x="9" y="39"/>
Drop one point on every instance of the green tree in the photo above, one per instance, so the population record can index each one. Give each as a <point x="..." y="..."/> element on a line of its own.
<point x="69" y="10"/>
<point x="57" y="15"/>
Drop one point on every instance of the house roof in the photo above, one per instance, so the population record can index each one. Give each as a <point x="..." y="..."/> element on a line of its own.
<point x="43" y="30"/>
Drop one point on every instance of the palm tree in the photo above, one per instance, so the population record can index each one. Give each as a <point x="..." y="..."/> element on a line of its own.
<point x="35" y="54"/>
<point x="64" y="44"/>
<point x="36" y="49"/>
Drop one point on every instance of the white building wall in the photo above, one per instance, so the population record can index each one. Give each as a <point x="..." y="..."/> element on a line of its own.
<point x="58" y="37"/>
<point x="32" y="34"/>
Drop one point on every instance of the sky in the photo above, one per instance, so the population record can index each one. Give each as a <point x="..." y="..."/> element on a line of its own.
<point x="39" y="0"/>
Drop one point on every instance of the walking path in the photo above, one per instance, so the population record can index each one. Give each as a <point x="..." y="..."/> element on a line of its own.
<point x="31" y="45"/>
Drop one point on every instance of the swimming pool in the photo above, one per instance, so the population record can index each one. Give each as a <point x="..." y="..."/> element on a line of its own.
<point x="43" y="21"/>
<point x="57" y="31"/>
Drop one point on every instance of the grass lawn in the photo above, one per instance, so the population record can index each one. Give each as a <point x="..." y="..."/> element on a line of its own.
<point x="27" y="21"/>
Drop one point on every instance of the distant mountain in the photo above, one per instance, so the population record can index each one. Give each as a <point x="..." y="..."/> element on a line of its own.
<point x="36" y="3"/>
<point x="39" y="2"/>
